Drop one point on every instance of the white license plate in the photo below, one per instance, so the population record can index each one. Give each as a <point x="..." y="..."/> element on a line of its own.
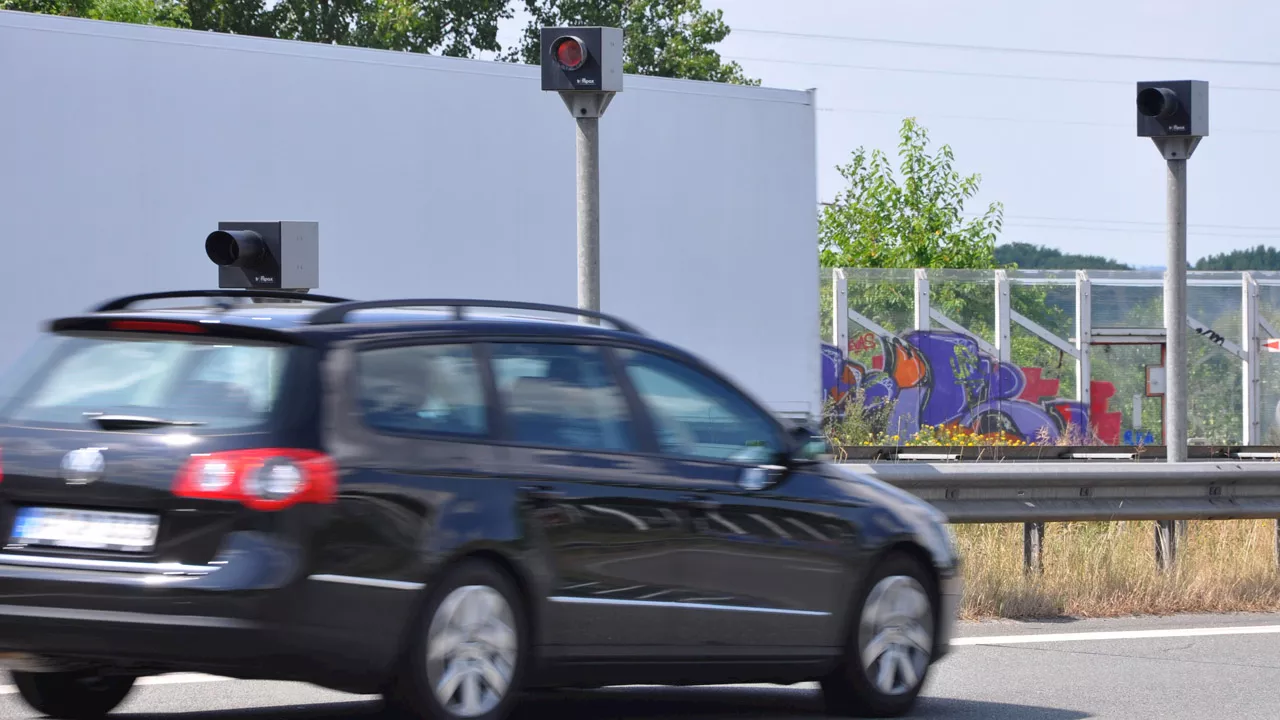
<point x="85" y="529"/>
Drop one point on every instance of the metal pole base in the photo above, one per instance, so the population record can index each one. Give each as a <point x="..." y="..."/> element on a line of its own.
<point x="1166" y="545"/>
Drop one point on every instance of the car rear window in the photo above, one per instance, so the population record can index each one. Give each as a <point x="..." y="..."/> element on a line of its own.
<point x="67" y="379"/>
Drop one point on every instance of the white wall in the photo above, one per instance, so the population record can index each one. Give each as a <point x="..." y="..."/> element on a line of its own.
<point x="122" y="146"/>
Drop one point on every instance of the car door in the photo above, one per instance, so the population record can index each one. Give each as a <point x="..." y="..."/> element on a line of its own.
<point x="596" y="507"/>
<point x="768" y="567"/>
<point x="409" y="423"/>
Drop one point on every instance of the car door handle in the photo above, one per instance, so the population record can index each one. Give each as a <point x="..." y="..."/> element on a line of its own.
<point x="700" y="502"/>
<point x="542" y="494"/>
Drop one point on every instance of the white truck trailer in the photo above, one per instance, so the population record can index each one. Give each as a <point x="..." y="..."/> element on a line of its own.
<point x="122" y="147"/>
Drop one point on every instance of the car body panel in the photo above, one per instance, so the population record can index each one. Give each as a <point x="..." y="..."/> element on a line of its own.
<point x="636" y="567"/>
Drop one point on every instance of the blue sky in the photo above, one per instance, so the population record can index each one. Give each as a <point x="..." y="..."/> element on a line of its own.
<point x="1038" y="97"/>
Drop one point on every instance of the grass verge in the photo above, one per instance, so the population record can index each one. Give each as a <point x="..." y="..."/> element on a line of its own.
<point x="1108" y="570"/>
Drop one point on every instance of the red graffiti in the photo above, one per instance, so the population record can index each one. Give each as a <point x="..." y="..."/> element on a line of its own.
<point x="864" y="342"/>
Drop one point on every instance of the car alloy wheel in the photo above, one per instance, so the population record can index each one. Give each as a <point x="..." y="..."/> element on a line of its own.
<point x="467" y="655"/>
<point x="896" y="634"/>
<point x="889" y="648"/>
<point x="471" y="650"/>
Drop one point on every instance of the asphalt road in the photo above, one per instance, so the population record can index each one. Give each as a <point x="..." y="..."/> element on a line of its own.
<point x="1216" y="666"/>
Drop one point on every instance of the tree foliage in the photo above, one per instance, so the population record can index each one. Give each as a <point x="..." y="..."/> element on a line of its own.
<point x="457" y="28"/>
<point x="168" y="13"/>
<point x="666" y="38"/>
<point x="70" y="8"/>
<point x="1256" y="258"/>
<point x="1039" y="257"/>
<point x="915" y="221"/>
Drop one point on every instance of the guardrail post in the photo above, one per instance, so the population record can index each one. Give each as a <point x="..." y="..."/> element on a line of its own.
<point x="1033" y="548"/>
<point x="840" y="309"/>
<point x="1166" y="545"/>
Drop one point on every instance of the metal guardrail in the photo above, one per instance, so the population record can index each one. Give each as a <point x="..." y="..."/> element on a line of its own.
<point x="1101" y="485"/>
<point x="998" y="453"/>
<point x="1038" y="492"/>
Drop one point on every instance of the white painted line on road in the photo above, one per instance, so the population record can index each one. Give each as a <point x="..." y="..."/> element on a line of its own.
<point x="1116" y="635"/>
<point x="170" y="679"/>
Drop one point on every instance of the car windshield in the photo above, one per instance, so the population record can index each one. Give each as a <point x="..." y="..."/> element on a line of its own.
<point x="68" y="381"/>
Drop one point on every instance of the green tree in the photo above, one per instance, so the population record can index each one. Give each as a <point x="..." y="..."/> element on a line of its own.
<point x="1256" y="258"/>
<point x="666" y="38"/>
<point x="71" y="8"/>
<point x="1039" y="257"/>
<point x="881" y="221"/>
<point x="457" y="28"/>
<point x="240" y="17"/>
<point x="168" y="13"/>
<point x="171" y="13"/>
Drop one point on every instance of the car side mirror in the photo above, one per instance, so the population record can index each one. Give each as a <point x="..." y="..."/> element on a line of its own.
<point x="760" y="477"/>
<point x="808" y="444"/>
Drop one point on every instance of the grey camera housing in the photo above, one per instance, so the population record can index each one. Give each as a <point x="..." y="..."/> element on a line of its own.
<point x="1178" y="108"/>
<point x="602" y="71"/>
<point x="280" y="255"/>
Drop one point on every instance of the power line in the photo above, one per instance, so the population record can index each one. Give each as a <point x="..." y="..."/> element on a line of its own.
<point x="998" y="49"/>
<point x="1048" y="218"/>
<point x="1004" y="118"/>
<point x="1085" y="225"/>
<point x="1130" y="231"/>
<point x="963" y="73"/>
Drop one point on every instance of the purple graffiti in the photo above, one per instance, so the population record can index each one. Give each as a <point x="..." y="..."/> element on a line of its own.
<point x="942" y="378"/>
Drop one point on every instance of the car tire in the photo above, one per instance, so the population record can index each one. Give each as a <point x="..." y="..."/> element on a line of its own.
<point x="890" y="646"/>
<point x="79" y="695"/>
<point x="469" y="649"/>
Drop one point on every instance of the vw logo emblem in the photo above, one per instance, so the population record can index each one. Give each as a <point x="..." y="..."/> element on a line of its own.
<point x="83" y="466"/>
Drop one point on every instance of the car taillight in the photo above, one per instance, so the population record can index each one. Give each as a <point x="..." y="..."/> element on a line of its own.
<point x="262" y="479"/>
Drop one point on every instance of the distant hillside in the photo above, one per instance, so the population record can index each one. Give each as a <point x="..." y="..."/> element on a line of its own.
<point x="1258" y="258"/>
<point x="1038" y="257"/>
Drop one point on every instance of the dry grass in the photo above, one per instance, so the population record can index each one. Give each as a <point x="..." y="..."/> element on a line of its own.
<point x="1108" y="569"/>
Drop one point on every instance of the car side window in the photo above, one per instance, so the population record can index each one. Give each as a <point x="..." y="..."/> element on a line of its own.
<point x="430" y="389"/>
<point x="696" y="416"/>
<point x="561" y="395"/>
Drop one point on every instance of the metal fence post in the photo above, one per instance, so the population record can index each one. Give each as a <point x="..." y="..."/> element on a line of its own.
<point x="921" y="299"/>
<point x="840" y="309"/>
<point x="1251" y="432"/>
<point x="1084" y="335"/>
<point x="1032" y="533"/>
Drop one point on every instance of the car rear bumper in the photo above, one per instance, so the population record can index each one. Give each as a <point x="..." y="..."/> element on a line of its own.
<point x="252" y="612"/>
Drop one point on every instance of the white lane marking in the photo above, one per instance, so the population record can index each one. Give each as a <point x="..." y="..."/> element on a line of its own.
<point x="170" y="679"/>
<point x="189" y="678"/>
<point x="1116" y="635"/>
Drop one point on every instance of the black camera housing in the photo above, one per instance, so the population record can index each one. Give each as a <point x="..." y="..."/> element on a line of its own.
<point x="1177" y="108"/>
<point x="601" y="67"/>
<point x="280" y="255"/>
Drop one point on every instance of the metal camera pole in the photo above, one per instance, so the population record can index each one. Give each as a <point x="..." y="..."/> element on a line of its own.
<point x="586" y="109"/>
<point x="584" y="66"/>
<point x="1175" y="115"/>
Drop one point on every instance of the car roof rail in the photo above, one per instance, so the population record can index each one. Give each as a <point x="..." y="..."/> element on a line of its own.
<point x="128" y="301"/>
<point x="338" y="313"/>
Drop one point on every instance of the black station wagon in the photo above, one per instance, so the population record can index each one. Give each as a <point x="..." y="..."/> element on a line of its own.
<point x="448" y="502"/>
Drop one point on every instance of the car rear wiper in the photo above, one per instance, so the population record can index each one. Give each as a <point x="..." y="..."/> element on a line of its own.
<point x="136" y="422"/>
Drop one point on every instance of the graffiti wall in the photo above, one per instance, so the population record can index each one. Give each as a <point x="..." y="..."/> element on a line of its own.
<point x="942" y="378"/>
